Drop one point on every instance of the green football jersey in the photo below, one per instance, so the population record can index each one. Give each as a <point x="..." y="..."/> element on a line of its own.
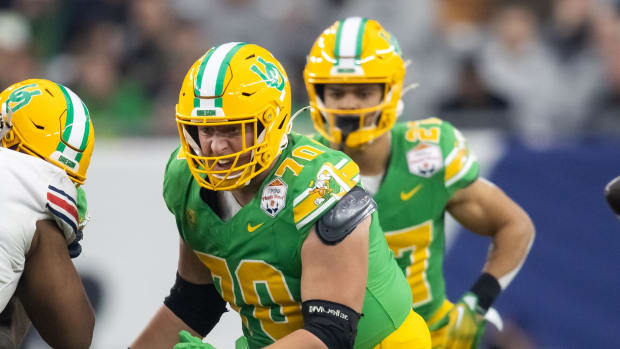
<point x="255" y="256"/>
<point x="429" y="161"/>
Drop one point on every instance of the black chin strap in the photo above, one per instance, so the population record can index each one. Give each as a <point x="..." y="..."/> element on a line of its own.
<point x="347" y="125"/>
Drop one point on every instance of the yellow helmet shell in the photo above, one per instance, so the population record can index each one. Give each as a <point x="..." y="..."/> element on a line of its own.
<point x="355" y="50"/>
<point x="51" y="122"/>
<point x="231" y="84"/>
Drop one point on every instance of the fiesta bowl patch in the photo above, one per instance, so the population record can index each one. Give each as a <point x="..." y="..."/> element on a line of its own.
<point x="425" y="160"/>
<point x="273" y="199"/>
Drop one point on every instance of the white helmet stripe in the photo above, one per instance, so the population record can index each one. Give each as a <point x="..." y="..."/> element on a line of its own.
<point x="348" y="37"/>
<point x="348" y="46"/>
<point x="211" y="73"/>
<point x="75" y="132"/>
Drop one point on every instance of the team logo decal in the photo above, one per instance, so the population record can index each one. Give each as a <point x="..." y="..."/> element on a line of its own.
<point x="425" y="160"/>
<point x="271" y="75"/>
<point x="21" y="97"/>
<point x="273" y="199"/>
<point x="321" y="187"/>
<point x="327" y="184"/>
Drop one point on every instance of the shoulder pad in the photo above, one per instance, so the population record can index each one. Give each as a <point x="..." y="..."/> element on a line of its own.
<point x="340" y="220"/>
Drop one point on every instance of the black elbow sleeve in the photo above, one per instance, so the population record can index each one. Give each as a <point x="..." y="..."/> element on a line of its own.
<point x="199" y="306"/>
<point x="333" y="323"/>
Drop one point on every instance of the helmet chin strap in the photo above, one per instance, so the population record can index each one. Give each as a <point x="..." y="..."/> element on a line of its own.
<point x="296" y="114"/>
<point x="400" y="106"/>
<point x="409" y="88"/>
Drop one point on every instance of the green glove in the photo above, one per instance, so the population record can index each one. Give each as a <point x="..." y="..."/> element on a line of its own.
<point x="242" y="343"/>
<point x="187" y="341"/>
<point x="82" y="208"/>
<point x="465" y="325"/>
<point x="75" y="249"/>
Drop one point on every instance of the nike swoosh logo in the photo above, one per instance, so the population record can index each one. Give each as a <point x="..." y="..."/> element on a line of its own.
<point x="251" y="228"/>
<point x="406" y="196"/>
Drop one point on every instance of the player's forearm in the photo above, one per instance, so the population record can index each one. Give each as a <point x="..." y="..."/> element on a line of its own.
<point x="162" y="331"/>
<point x="301" y="339"/>
<point x="509" y="249"/>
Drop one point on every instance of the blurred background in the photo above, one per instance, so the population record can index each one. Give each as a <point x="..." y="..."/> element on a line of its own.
<point x="533" y="84"/>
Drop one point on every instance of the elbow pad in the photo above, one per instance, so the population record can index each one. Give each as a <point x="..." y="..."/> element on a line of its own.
<point x="333" y="323"/>
<point x="199" y="306"/>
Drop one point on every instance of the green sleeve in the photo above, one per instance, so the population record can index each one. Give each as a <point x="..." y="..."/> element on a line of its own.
<point x="461" y="168"/>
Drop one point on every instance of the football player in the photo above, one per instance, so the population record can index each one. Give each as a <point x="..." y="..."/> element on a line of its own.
<point x="47" y="140"/>
<point x="416" y="171"/>
<point x="244" y="191"/>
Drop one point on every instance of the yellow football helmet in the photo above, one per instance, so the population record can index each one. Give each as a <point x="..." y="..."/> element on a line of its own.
<point x="354" y="51"/>
<point x="48" y="120"/>
<point x="234" y="84"/>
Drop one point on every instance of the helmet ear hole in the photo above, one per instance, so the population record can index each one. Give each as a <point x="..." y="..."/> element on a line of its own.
<point x="10" y="137"/>
<point x="267" y="116"/>
<point x="283" y="122"/>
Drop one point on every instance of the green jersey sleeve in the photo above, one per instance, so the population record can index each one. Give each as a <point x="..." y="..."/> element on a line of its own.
<point x="324" y="176"/>
<point x="177" y="185"/>
<point x="461" y="167"/>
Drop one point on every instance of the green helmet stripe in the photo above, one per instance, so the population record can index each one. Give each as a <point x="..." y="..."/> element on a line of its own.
<point x="86" y="133"/>
<point x="348" y="45"/>
<point x="201" y="72"/>
<point x="75" y="130"/>
<point x="360" y="37"/>
<point x="337" y="43"/>
<point x="210" y="79"/>
<point x="77" y="126"/>
<point x="66" y="133"/>
<point x="221" y="74"/>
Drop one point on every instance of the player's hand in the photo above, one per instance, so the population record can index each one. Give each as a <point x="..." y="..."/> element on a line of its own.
<point x="465" y="324"/>
<point x="82" y="208"/>
<point x="84" y="217"/>
<point x="74" y="247"/>
<point x="187" y="341"/>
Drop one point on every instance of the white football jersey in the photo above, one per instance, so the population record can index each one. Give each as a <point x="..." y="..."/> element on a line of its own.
<point x="31" y="189"/>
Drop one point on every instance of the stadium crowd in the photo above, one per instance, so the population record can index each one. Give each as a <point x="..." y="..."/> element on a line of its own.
<point x="547" y="72"/>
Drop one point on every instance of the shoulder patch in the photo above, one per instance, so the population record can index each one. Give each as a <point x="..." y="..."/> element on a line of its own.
<point x="330" y="183"/>
<point x="425" y="160"/>
<point x="273" y="198"/>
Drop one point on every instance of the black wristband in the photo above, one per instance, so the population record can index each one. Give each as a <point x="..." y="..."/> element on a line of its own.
<point x="486" y="288"/>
